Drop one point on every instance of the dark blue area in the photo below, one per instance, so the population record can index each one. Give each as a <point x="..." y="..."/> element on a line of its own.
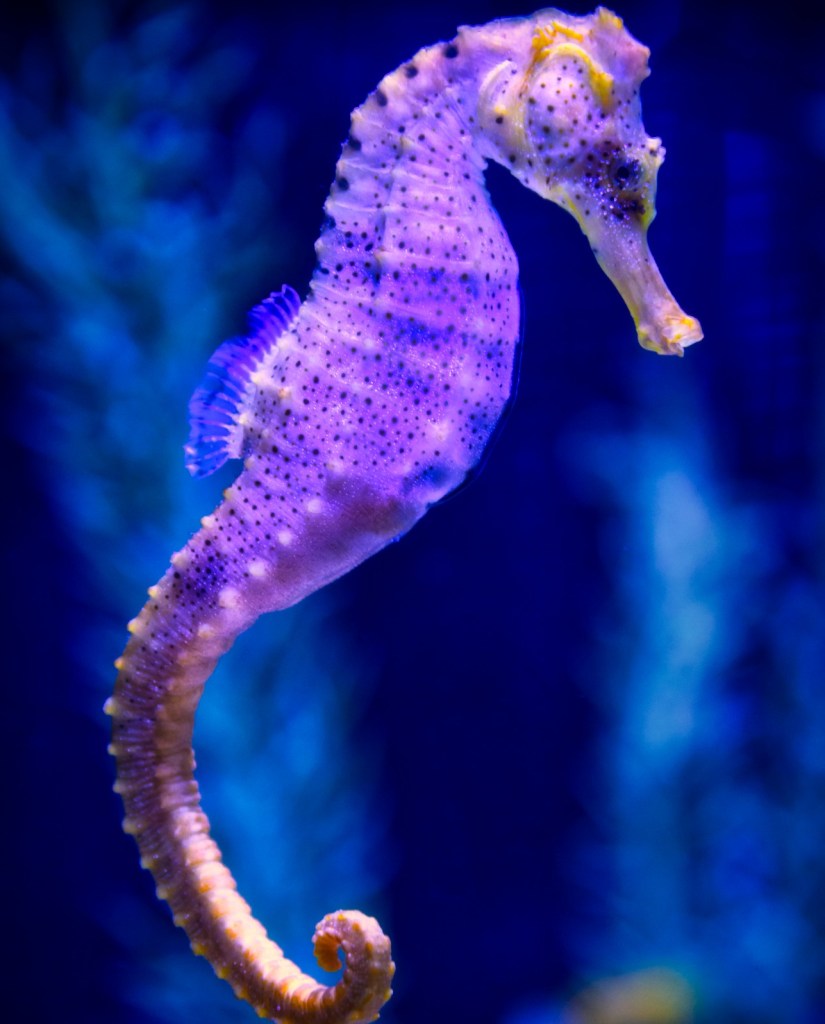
<point x="499" y="624"/>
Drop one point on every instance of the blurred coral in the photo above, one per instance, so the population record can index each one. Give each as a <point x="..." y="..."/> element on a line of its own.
<point x="653" y="996"/>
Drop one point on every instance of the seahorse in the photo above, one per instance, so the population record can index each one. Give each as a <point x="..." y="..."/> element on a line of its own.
<point x="356" y="410"/>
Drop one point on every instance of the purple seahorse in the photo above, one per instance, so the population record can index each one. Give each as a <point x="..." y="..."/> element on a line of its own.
<point x="359" y="408"/>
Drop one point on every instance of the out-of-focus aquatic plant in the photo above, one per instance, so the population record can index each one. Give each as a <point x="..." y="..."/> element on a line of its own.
<point x="138" y="168"/>
<point x="131" y="218"/>
<point x="713" y="758"/>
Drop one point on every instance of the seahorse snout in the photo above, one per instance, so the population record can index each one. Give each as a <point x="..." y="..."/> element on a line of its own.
<point x="620" y="246"/>
<point x="661" y="324"/>
<point x="671" y="334"/>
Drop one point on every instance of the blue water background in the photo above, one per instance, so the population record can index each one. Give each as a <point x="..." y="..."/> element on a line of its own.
<point x="571" y="727"/>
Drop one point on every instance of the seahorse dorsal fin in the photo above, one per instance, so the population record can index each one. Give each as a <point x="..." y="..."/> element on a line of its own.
<point x="215" y="428"/>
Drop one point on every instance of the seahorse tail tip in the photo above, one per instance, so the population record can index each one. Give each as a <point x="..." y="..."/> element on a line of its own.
<point x="366" y="984"/>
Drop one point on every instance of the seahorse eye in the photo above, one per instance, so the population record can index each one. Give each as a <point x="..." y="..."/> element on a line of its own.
<point x="625" y="175"/>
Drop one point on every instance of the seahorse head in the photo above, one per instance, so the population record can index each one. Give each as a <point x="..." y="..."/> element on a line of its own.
<point x="562" y="112"/>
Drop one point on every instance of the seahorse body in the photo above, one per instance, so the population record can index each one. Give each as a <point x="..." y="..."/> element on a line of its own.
<point x="358" y="409"/>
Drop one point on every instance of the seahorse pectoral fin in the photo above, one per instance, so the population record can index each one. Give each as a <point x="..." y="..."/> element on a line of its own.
<point x="216" y="409"/>
<point x="623" y="253"/>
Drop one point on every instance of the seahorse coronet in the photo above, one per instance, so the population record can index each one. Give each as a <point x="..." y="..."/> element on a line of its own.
<point x="353" y="412"/>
